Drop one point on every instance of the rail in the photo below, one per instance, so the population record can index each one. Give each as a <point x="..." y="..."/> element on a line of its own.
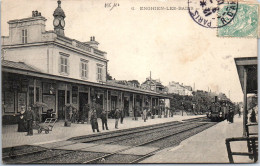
<point x="95" y="160"/>
<point x="109" y="141"/>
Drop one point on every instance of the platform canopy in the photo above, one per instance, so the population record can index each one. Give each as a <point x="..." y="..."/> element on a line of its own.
<point x="248" y="66"/>
<point x="247" y="72"/>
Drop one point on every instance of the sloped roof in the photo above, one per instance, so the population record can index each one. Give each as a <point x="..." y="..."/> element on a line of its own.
<point x="155" y="82"/>
<point x="18" y="65"/>
<point x="250" y="64"/>
<point x="8" y="66"/>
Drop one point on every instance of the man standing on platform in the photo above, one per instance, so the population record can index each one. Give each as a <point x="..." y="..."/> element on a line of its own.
<point x="122" y="115"/>
<point x="103" y="117"/>
<point x="117" y="115"/>
<point x="30" y="118"/>
<point x="93" y="120"/>
<point x="231" y="115"/>
<point x="145" y="114"/>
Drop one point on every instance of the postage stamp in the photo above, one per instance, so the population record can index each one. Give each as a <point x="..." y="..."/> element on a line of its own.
<point x="244" y="24"/>
<point x="212" y="13"/>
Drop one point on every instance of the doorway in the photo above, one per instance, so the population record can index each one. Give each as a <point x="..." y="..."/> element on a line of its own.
<point x="83" y="100"/>
<point x="61" y="104"/>
<point x="113" y="103"/>
<point x="99" y="102"/>
<point x="126" y="106"/>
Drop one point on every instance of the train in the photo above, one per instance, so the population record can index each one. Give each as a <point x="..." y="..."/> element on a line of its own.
<point x="218" y="110"/>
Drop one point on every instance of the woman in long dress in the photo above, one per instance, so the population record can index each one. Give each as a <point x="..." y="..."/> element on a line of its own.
<point x="22" y="127"/>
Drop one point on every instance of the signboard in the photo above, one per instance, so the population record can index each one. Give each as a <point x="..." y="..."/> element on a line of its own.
<point x="50" y="101"/>
<point x="9" y="102"/>
<point x="21" y="101"/>
<point x="74" y="94"/>
<point x="83" y="89"/>
<point x="114" y="93"/>
<point x="74" y="100"/>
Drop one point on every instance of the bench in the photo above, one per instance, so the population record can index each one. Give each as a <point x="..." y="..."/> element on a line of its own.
<point x="252" y="145"/>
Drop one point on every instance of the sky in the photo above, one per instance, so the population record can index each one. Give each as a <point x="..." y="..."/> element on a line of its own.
<point x="166" y="42"/>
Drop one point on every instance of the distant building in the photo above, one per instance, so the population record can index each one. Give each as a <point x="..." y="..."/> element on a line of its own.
<point x="132" y="83"/>
<point x="154" y="85"/>
<point x="177" y="88"/>
<point x="188" y="87"/>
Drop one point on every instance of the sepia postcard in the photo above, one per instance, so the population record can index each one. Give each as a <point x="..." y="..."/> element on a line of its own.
<point x="129" y="82"/>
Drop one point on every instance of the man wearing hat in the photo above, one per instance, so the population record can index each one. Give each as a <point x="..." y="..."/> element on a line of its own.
<point x="30" y="118"/>
<point x="117" y="116"/>
<point x="93" y="120"/>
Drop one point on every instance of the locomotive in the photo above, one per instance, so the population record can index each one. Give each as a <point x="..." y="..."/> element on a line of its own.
<point x="218" y="110"/>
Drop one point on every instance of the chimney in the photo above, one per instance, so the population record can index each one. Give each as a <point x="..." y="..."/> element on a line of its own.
<point x="92" y="42"/>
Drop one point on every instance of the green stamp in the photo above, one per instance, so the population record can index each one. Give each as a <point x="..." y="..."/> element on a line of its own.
<point x="244" y="24"/>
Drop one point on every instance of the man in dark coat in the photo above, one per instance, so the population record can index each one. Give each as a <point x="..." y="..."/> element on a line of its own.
<point x="22" y="123"/>
<point x="117" y="116"/>
<point x="253" y="116"/>
<point x="145" y="114"/>
<point x="103" y="117"/>
<point x="231" y="116"/>
<point x="93" y="120"/>
<point x="30" y="118"/>
<point x="122" y="115"/>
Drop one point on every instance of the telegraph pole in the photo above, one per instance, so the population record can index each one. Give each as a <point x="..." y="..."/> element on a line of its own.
<point x="150" y="80"/>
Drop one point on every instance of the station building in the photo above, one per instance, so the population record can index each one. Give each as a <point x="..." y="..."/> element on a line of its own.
<point x="49" y="67"/>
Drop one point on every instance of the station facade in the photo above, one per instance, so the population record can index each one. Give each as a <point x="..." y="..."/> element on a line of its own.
<point x="48" y="67"/>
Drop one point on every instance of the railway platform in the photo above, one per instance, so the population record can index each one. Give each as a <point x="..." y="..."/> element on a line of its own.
<point x="11" y="138"/>
<point x="207" y="146"/>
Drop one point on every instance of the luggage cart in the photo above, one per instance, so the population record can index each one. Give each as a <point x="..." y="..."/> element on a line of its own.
<point x="47" y="125"/>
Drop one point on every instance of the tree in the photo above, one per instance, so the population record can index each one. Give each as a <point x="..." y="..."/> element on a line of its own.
<point x="109" y="77"/>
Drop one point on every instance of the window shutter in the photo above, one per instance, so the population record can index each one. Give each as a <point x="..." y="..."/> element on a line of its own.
<point x="59" y="67"/>
<point x="25" y="35"/>
<point x="102" y="74"/>
<point x="87" y="70"/>
<point x="68" y="65"/>
<point x="80" y="66"/>
<point x="97" y="73"/>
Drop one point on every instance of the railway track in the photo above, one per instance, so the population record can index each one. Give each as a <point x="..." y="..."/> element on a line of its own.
<point x="27" y="150"/>
<point x="104" y="159"/>
<point x="45" y="155"/>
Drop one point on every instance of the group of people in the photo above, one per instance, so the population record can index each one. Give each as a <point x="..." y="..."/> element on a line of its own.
<point x="74" y="115"/>
<point x="103" y="116"/>
<point x="230" y="116"/>
<point x="118" y="115"/>
<point x="26" y="120"/>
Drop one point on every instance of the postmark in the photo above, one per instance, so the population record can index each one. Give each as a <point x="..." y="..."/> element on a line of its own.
<point x="245" y="24"/>
<point x="212" y="13"/>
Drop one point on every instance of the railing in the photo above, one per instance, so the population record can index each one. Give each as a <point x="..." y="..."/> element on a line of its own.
<point x="251" y="143"/>
<point x="64" y="39"/>
<point x="83" y="46"/>
<point x="98" y="52"/>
